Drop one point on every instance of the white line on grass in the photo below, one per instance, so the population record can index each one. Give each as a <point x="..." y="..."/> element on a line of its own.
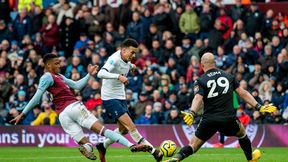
<point x="118" y="156"/>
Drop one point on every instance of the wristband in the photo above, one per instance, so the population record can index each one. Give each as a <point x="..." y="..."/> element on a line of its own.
<point x="193" y="113"/>
<point x="257" y="106"/>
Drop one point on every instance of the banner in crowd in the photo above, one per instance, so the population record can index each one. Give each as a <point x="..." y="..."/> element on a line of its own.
<point x="41" y="136"/>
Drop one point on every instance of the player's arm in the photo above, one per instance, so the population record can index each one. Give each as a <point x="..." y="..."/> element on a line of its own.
<point x="82" y="82"/>
<point x="105" y="71"/>
<point x="45" y="81"/>
<point x="248" y="98"/>
<point x="197" y="104"/>
<point x="132" y="67"/>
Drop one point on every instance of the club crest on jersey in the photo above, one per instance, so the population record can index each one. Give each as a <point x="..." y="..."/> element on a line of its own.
<point x="196" y="88"/>
<point x="111" y="62"/>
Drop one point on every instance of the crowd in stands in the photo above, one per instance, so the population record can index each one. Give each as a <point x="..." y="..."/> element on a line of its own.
<point x="248" y="43"/>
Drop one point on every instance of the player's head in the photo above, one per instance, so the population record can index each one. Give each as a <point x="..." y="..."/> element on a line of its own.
<point x="129" y="48"/>
<point x="208" y="61"/>
<point x="52" y="63"/>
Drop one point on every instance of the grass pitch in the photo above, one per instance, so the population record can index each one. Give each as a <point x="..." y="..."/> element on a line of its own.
<point x="63" y="154"/>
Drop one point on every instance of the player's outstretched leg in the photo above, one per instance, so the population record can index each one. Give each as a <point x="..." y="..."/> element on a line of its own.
<point x="188" y="150"/>
<point x="182" y="154"/>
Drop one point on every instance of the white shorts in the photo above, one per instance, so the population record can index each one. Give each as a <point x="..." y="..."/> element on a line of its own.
<point x="73" y="117"/>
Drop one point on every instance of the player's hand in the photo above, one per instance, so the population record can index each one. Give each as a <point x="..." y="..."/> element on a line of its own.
<point x="133" y="68"/>
<point x="92" y="69"/>
<point x="270" y="108"/>
<point x="17" y="119"/>
<point x="123" y="79"/>
<point x="188" y="117"/>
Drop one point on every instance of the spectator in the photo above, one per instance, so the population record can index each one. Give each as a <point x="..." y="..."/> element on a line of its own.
<point x="265" y="91"/>
<point x="22" y="25"/>
<point x="148" y="117"/>
<point x="96" y="21"/>
<point x="161" y="18"/>
<point x="194" y="70"/>
<point x="268" y="59"/>
<point x="215" y="36"/>
<point x="194" y="51"/>
<point x="252" y="19"/>
<point x="65" y="11"/>
<point x="5" y="11"/>
<point x="226" y="23"/>
<point x="125" y="13"/>
<point x="184" y="97"/>
<point x="282" y="67"/>
<point x="157" y="111"/>
<point x="237" y="11"/>
<point x="120" y="35"/>
<point x="206" y="21"/>
<point x="140" y="105"/>
<point x="50" y="34"/>
<point x="278" y="96"/>
<point x="92" y="88"/>
<point x="68" y="35"/>
<point x="135" y="29"/>
<point x="5" y="34"/>
<point x="189" y="23"/>
<point x="173" y="116"/>
<point x="76" y="64"/>
<point x="276" y="46"/>
<point x="153" y="35"/>
<point x="48" y="117"/>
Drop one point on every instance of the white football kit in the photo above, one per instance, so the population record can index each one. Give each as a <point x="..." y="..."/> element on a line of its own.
<point x="112" y="88"/>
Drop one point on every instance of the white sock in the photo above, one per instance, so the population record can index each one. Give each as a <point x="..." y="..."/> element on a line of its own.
<point x="108" y="141"/>
<point x="136" y="136"/>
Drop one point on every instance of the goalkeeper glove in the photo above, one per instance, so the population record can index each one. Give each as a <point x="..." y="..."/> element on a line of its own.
<point x="266" y="108"/>
<point x="188" y="117"/>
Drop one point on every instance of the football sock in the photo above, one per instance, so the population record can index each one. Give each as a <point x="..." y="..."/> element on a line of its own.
<point x="222" y="138"/>
<point x="245" y="144"/>
<point x="136" y="136"/>
<point x="107" y="142"/>
<point x="88" y="146"/>
<point x="184" y="152"/>
<point x="116" y="137"/>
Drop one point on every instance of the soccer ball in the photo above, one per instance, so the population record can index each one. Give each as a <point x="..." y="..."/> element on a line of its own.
<point x="168" y="148"/>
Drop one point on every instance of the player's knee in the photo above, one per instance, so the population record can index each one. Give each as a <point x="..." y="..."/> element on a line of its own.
<point x="241" y="133"/>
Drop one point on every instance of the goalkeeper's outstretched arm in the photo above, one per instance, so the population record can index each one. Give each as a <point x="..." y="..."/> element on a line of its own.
<point x="246" y="96"/>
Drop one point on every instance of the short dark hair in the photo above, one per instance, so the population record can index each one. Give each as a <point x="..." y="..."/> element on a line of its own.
<point x="49" y="57"/>
<point x="129" y="42"/>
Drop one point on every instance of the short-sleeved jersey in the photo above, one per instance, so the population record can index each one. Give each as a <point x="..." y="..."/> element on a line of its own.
<point x="216" y="86"/>
<point x="62" y="95"/>
<point x="113" y="88"/>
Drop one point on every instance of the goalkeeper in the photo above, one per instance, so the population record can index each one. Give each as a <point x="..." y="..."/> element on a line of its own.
<point x="214" y="90"/>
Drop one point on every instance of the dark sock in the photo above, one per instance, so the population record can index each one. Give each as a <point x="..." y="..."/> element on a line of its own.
<point x="222" y="138"/>
<point x="184" y="152"/>
<point x="245" y="144"/>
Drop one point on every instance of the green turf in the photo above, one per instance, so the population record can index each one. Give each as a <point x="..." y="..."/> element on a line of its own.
<point x="62" y="154"/>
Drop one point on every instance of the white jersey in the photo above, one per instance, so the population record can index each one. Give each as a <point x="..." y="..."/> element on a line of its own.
<point x="112" y="88"/>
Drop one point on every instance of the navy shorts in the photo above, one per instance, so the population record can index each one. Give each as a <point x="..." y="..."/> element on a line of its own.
<point x="115" y="108"/>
